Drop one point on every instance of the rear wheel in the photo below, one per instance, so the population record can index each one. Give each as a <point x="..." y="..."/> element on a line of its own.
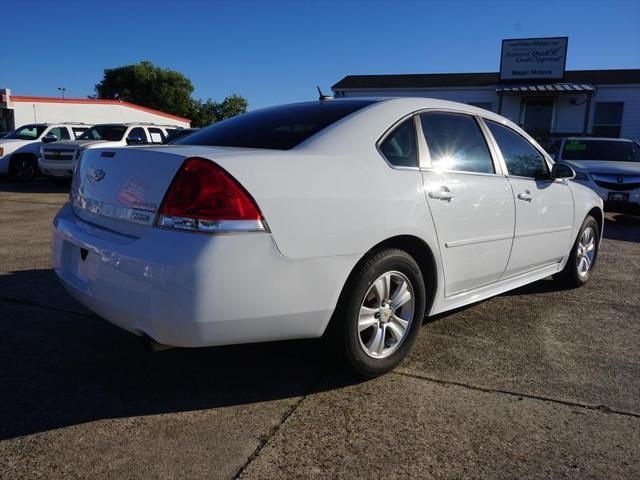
<point x="23" y="168"/>
<point x="381" y="313"/>
<point x="584" y="254"/>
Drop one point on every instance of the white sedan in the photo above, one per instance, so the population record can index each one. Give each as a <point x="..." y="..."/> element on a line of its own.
<point x="351" y="218"/>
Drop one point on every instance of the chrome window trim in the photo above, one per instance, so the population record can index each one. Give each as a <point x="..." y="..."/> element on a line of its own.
<point x="497" y="167"/>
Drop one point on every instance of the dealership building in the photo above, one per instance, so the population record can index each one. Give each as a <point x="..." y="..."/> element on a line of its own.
<point x="532" y="89"/>
<point x="16" y="111"/>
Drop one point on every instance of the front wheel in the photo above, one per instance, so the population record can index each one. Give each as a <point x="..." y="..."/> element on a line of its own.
<point x="583" y="256"/>
<point x="381" y="312"/>
<point x="24" y="168"/>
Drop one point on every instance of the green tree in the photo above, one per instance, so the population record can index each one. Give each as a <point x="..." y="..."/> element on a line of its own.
<point x="167" y="90"/>
<point x="203" y="113"/>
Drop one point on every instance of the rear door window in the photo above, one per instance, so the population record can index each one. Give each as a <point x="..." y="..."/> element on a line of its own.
<point x="456" y="143"/>
<point x="61" y="133"/>
<point x="138" y="132"/>
<point x="78" y="131"/>
<point x="399" y="147"/>
<point x="522" y="158"/>
<point x="156" y="135"/>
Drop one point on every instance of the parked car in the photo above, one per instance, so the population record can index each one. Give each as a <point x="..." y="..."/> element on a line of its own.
<point x="58" y="161"/>
<point x="609" y="166"/>
<point x="177" y="133"/>
<point x="350" y="218"/>
<point x="19" y="150"/>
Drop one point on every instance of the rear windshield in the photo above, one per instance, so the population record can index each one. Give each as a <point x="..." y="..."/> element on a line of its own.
<point x="112" y="133"/>
<point x="277" y="128"/>
<point x="601" y="150"/>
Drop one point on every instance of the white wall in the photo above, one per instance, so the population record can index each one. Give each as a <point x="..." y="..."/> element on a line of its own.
<point x="44" y="112"/>
<point x="630" y="95"/>
<point x="568" y="117"/>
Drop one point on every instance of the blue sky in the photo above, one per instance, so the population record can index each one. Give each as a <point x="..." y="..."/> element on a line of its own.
<point x="277" y="52"/>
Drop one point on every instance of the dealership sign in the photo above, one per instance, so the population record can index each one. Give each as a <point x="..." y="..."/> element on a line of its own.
<point x="533" y="58"/>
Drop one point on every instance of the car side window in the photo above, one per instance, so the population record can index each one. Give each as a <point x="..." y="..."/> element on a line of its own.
<point x="78" y="131"/>
<point x="157" y="136"/>
<point x="456" y="142"/>
<point x="138" y="132"/>
<point x="522" y="158"/>
<point x="61" y="133"/>
<point x="399" y="147"/>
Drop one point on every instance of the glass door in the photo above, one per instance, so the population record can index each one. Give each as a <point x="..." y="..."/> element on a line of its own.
<point x="537" y="117"/>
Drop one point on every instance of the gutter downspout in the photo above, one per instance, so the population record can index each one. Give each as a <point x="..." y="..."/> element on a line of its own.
<point x="587" y="114"/>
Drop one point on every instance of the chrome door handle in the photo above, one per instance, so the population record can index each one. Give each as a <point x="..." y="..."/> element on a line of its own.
<point x="526" y="196"/>
<point x="443" y="193"/>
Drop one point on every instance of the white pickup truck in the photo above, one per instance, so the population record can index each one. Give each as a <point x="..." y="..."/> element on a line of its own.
<point x="20" y="149"/>
<point x="59" y="160"/>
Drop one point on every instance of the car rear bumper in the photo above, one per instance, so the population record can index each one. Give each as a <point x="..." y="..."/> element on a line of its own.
<point x="192" y="289"/>
<point x="56" y="168"/>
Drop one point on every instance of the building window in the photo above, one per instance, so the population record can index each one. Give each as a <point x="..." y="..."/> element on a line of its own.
<point x="607" y="120"/>
<point x="485" y="105"/>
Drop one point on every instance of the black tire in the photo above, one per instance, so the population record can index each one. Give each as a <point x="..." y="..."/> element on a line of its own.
<point x="345" y="335"/>
<point x="571" y="276"/>
<point x="23" y="168"/>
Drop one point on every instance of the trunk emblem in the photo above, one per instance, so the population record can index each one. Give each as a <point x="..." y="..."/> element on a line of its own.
<point x="620" y="179"/>
<point x="98" y="175"/>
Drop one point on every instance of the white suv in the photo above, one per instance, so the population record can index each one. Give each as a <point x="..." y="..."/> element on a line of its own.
<point x="59" y="161"/>
<point x="20" y="149"/>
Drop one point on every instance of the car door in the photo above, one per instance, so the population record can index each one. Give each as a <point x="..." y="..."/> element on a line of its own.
<point x="470" y="200"/>
<point x="544" y="207"/>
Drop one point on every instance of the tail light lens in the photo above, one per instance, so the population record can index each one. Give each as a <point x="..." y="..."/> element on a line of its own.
<point x="205" y="198"/>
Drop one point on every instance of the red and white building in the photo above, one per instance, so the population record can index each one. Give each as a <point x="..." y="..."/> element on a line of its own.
<point x="16" y="111"/>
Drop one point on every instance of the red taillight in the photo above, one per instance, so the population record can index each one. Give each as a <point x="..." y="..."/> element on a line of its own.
<point x="204" y="197"/>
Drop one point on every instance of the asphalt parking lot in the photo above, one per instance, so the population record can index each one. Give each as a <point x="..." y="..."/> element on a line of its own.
<point x="537" y="383"/>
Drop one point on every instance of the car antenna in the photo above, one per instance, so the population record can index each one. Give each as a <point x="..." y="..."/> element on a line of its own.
<point x="322" y="95"/>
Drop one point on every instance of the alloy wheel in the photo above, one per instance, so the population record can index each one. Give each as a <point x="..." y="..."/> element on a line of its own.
<point x="586" y="251"/>
<point x="386" y="313"/>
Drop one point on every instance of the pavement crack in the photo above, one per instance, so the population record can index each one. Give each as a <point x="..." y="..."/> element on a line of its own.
<point x="598" y="408"/>
<point x="264" y="439"/>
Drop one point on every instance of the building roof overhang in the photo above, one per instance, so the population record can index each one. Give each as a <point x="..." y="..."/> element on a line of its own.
<point x="546" y="88"/>
<point x="473" y="80"/>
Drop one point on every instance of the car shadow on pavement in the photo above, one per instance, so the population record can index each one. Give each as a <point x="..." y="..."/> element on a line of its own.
<point x="61" y="368"/>
<point x="622" y="227"/>
<point x="39" y="185"/>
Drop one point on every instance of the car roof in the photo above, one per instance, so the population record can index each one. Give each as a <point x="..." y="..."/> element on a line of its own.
<point x="382" y="113"/>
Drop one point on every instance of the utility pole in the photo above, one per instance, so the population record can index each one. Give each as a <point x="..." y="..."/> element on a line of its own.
<point x="62" y="90"/>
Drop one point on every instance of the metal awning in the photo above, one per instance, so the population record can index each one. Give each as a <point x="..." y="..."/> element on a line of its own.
<point x="546" y="88"/>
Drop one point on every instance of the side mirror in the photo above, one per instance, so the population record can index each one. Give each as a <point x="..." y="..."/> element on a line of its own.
<point x="135" y="140"/>
<point x="49" y="137"/>
<point x="561" y="170"/>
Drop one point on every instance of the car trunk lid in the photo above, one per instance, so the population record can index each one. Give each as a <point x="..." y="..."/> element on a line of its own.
<point x="121" y="189"/>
